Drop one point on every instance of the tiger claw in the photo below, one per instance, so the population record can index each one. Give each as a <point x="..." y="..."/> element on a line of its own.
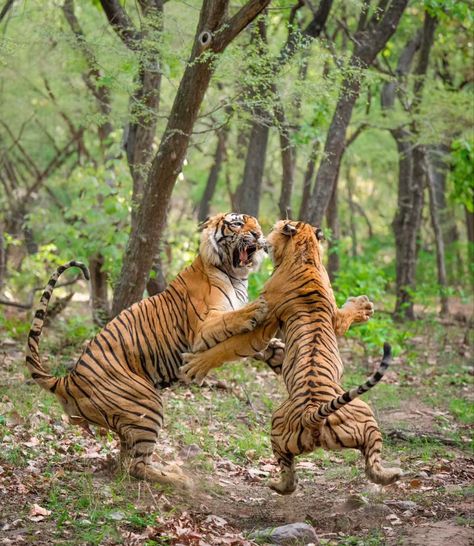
<point x="191" y="371"/>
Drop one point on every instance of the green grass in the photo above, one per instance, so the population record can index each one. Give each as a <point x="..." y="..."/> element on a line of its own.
<point x="92" y="513"/>
<point x="463" y="410"/>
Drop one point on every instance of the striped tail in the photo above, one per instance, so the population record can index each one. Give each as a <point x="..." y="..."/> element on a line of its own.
<point x="33" y="360"/>
<point x="313" y="418"/>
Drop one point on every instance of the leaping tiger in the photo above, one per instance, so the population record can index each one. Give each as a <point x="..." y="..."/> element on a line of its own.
<point x="317" y="413"/>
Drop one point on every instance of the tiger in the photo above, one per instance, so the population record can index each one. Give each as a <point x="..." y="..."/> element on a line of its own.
<point x="318" y="412"/>
<point x="117" y="381"/>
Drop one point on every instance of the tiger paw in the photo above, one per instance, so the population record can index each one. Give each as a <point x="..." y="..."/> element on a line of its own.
<point x="194" y="369"/>
<point x="282" y="487"/>
<point x="257" y="313"/>
<point x="273" y="354"/>
<point x="360" y="307"/>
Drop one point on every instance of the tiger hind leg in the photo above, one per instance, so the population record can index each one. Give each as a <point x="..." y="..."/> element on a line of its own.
<point x="372" y="450"/>
<point x="136" y="462"/>
<point x="359" y="431"/>
<point x="287" y="482"/>
<point x="138" y="438"/>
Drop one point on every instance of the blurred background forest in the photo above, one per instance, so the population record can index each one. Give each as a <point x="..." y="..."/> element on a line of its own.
<point x="355" y="115"/>
<point x="123" y="124"/>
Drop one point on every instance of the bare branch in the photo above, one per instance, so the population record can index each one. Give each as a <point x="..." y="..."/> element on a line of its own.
<point x="121" y="23"/>
<point x="237" y="23"/>
<point x="6" y="8"/>
<point x="29" y="303"/>
<point x="356" y="134"/>
<point x="20" y="147"/>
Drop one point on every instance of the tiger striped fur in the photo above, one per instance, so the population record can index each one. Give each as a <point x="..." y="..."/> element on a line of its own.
<point x="313" y="419"/>
<point x="317" y="413"/>
<point x="117" y="380"/>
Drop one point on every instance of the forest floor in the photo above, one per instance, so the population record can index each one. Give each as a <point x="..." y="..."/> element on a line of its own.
<point x="59" y="485"/>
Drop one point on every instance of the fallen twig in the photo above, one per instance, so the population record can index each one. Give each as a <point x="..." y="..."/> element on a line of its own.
<point x="413" y="436"/>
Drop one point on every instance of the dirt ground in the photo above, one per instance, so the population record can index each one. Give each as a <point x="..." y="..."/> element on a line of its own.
<point x="59" y="485"/>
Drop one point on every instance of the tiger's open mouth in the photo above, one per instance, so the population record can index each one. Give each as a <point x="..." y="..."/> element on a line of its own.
<point x="243" y="257"/>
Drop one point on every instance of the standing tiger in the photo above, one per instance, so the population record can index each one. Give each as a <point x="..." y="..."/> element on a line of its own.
<point x="317" y="413"/>
<point x="117" y="380"/>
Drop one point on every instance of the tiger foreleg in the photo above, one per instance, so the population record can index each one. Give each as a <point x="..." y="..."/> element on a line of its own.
<point x="218" y="326"/>
<point x="198" y="365"/>
<point x="273" y="355"/>
<point x="357" y="310"/>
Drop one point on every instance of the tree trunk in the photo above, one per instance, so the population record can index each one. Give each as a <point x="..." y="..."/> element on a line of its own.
<point x="470" y="239"/>
<point x="213" y="177"/>
<point x="249" y="191"/>
<point x="439" y="241"/>
<point x="213" y="33"/>
<point x="438" y="158"/>
<point x="101" y="94"/>
<point x="469" y="225"/>
<point x="145" y="101"/>
<point x="288" y="153"/>
<point x="369" y="42"/>
<point x="308" y="180"/>
<point x="99" y="298"/>
<point x="156" y="283"/>
<point x="3" y="263"/>
<point x="406" y="224"/>
<point x="352" y="213"/>
<point x="326" y="177"/>
<point x="332" y="218"/>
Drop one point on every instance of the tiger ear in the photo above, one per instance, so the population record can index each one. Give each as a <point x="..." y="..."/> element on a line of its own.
<point x="289" y="230"/>
<point x="204" y="224"/>
<point x="319" y="234"/>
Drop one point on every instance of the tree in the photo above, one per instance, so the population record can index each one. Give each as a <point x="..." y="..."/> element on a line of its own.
<point x="269" y="111"/>
<point x="370" y="38"/>
<point x="213" y="34"/>
<point x="411" y="176"/>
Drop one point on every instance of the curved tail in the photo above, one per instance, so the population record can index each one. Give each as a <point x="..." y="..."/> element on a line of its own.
<point x="314" y="417"/>
<point x="33" y="360"/>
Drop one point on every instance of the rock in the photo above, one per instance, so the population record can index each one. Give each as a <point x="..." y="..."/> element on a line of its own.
<point x="403" y="505"/>
<point x="190" y="451"/>
<point x="116" y="516"/>
<point x="287" y="535"/>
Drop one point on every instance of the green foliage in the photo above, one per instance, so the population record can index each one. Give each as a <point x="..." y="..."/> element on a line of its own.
<point x="93" y="218"/>
<point x="462" y="173"/>
<point x="259" y="278"/>
<point x="15" y="327"/>
<point x="463" y="410"/>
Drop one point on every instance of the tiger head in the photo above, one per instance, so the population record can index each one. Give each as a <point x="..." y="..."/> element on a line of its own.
<point x="291" y="240"/>
<point x="233" y="242"/>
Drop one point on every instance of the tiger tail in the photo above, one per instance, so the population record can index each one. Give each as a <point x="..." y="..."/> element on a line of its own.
<point x="33" y="359"/>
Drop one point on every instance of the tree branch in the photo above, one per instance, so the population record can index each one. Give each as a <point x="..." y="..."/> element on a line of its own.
<point x="6" y="8"/>
<point x="233" y="26"/>
<point x="121" y="23"/>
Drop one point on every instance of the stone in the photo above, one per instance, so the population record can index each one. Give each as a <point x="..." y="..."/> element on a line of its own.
<point x="296" y="534"/>
<point x="190" y="451"/>
<point x="403" y="504"/>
